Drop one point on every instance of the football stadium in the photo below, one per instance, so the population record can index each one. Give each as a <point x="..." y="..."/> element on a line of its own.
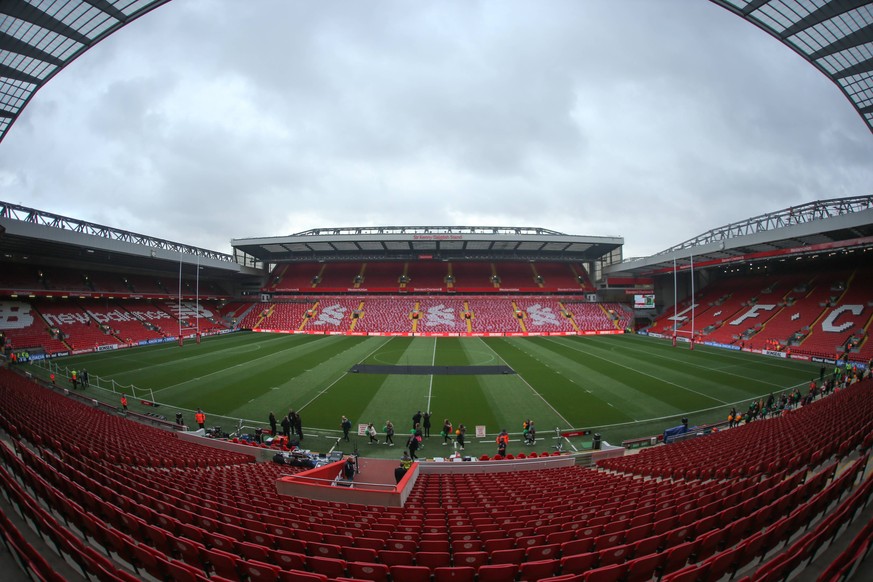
<point x="437" y="403"/>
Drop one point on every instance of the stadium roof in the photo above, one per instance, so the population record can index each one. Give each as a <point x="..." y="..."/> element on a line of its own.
<point x="39" y="38"/>
<point x="836" y="36"/>
<point x="812" y="228"/>
<point x="429" y="242"/>
<point x="30" y="235"/>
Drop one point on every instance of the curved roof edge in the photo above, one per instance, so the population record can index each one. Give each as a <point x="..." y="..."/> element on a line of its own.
<point x="835" y="36"/>
<point x="804" y="213"/>
<point x="359" y="230"/>
<point x="22" y="215"/>
<point x="821" y="226"/>
<point x="38" y="41"/>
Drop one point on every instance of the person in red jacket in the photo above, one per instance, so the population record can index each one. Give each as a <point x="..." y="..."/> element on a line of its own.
<point x="124" y="402"/>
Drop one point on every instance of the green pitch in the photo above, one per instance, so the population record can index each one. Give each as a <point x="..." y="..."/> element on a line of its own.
<point x="619" y="386"/>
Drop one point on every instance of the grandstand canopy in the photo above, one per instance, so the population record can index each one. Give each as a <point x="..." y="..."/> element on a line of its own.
<point x="428" y="242"/>
<point x="38" y="39"/>
<point x="836" y="36"/>
<point x="825" y="226"/>
<point x="28" y="235"/>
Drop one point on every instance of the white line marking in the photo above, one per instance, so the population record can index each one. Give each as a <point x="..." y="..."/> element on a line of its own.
<point x="344" y="374"/>
<point x="720" y="369"/>
<point x="710" y="396"/>
<point x="559" y="415"/>
<point x="224" y="370"/>
<point x="430" y="385"/>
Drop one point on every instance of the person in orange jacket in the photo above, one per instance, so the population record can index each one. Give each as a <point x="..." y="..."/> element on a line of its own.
<point x="502" y="442"/>
<point x="124" y="402"/>
<point x="200" y="418"/>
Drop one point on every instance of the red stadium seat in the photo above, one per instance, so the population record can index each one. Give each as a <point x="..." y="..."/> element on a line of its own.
<point x="256" y="571"/>
<point x="330" y="567"/>
<point x="539" y="569"/>
<point x="410" y="574"/>
<point x="578" y="563"/>
<point x="433" y="559"/>
<point x="395" y="558"/>
<point x="299" y="576"/>
<point x="368" y="571"/>
<point x="612" y="573"/>
<point x="497" y="573"/>
<point x="454" y="574"/>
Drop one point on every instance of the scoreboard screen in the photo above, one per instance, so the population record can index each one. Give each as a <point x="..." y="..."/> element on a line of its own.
<point x="646" y="301"/>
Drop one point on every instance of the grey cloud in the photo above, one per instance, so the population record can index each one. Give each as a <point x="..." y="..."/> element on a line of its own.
<point x="651" y="120"/>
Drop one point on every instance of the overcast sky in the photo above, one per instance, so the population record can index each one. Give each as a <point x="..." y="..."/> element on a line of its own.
<point x="208" y="120"/>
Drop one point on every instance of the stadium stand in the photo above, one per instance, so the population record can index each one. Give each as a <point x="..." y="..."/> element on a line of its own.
<point x="202" y="316"/>
<point x="851" y="295"/>
<point x="142" y="285"/>
<point x="564" y="277"/>
<point x="107" y="283"/>
<point x="382" y="276"/>
<point x="426" y="276"/>
<point x="515" y="275"/>
<point x="799" y="308"/>
<point x="442" y="314"/>
<point x="544" y="315"/>
<point x="233" y="310"/>
<point x="64" y="280"/>
<point x="295" y="277"/>
<point x="254" y="316"/>
<point x="824" y="314"/>
<point x="286" y="316"/>
<point x="733" y="297"/>
<point x="126" y="325"/>
<point x="842" y="420"/>
<point x="85" y="324"/>
<point x="473" y="276"/>
<point x="386" y="314"/>
<point x="467" y="276"/>
<point x="334" y="313"/>
<point x="179" y="510"/>
<point x="16" y="278"/>
<point x="25" y="328"/>
<point x="597" y="316"/>
<point x="80" y="330"/>
<point x="492" y="315"/>
<point x="340" y="277"/>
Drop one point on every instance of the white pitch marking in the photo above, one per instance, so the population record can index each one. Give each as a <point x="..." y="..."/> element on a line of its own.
<point x="529" y="386"/>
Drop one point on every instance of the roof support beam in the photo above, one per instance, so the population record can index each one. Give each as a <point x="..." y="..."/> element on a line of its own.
<point x="752" y="6"/>
<point x="826" y="12"/>
<point x="13" y="45"/>
<point x="104" y="6"/>
<point x="11" y="73"/>
<point x="859" y="37"/>
<point x="856" y="69"/>
<point x="29" y="13"/>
